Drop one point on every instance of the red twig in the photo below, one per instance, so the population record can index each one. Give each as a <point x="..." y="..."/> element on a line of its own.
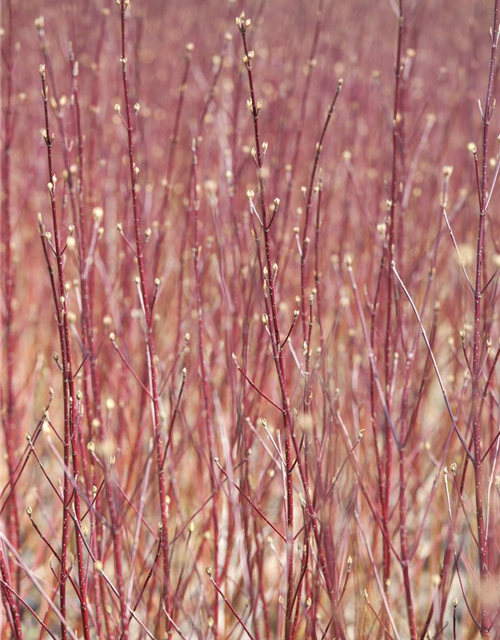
<point x="485" y="583"/>
<point x="149" y="331"/>
<point x="70" y="399"/>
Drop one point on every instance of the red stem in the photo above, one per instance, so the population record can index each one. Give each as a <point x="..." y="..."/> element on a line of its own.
<point x="484" y="618"/>
<point x="149" y="333"/>
<point x="391" y="224"/>
<point x="9" y="425"/>
<point x="269" y="282"/>
<point x="70" y="400"/>
<point x="194" y="209"/>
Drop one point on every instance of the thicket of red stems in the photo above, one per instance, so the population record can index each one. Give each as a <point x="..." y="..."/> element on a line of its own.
<point x="249" y="310"/>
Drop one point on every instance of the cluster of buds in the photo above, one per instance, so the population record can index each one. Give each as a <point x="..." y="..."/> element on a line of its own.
<point x="471" y="147"/>
<point x="40" y="24"/>
<point x="247" y="59"/>
<point x="243" y="23"/>
<point x="48" y="139"/>
<point x="52" y="185"/>
<point x="97" y="214"/>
